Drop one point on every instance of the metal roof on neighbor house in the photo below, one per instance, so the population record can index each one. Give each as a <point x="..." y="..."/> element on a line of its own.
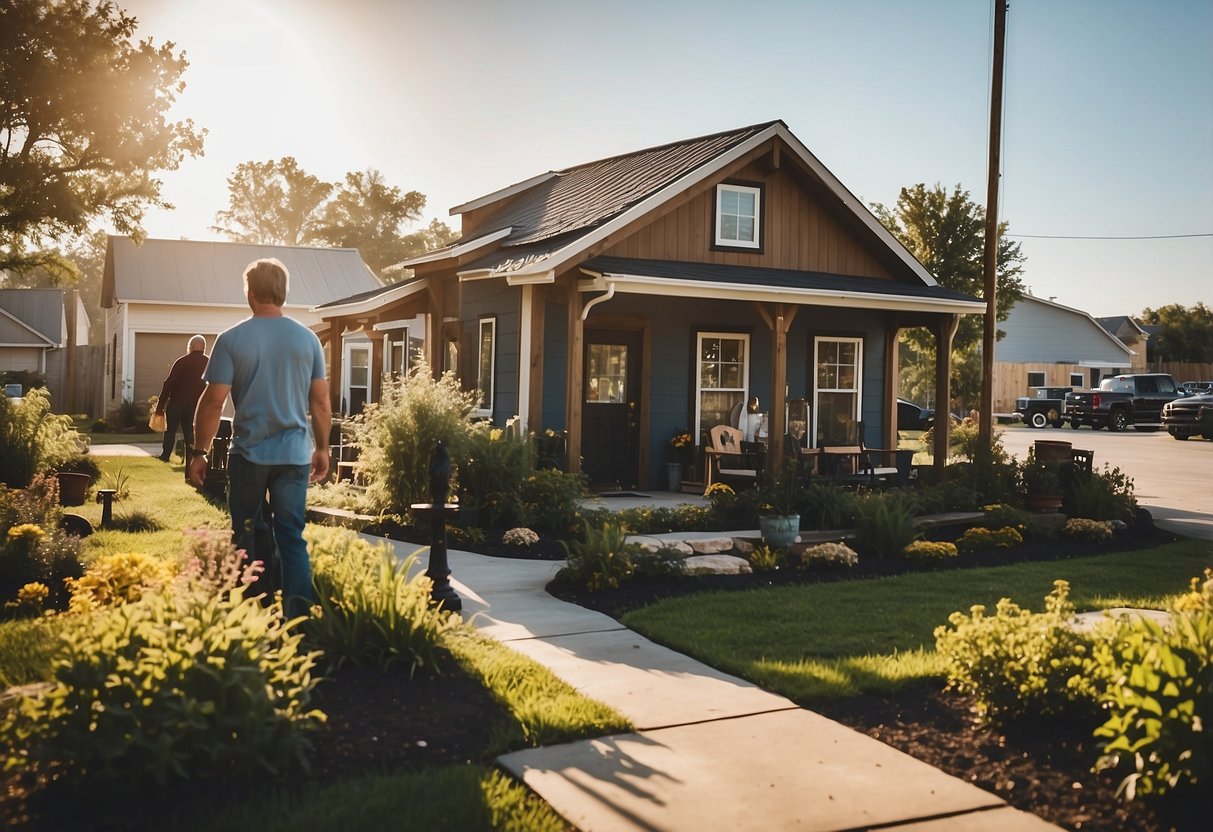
<point x="200" y="272"/>
<point x="41" y="312"/>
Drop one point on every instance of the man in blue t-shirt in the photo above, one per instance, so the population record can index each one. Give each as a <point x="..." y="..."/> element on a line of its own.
<point x="273" y="367"/>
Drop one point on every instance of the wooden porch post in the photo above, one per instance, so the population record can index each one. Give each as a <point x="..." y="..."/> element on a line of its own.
<point x="336" y="345"/>
<point x="376" y="369"/>
<point x="945" y="331"/>
<point x="535" y="365"/>
<point x="779" y="326"/>
<point x="435" y="316"/>
<point x="576" y="379"/>
<point x="892" y="381"/>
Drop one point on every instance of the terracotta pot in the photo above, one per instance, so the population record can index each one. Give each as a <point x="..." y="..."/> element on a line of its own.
<point x="72" y="488"/>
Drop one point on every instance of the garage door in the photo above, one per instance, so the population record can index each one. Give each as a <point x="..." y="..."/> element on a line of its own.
<point x="155" y="353"/>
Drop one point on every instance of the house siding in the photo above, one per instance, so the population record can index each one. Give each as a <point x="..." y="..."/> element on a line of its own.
<point x="481" y="298"/>
<point x="1037" y="332"/>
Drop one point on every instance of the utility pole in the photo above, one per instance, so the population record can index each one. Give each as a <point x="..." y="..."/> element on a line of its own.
<point x="985" y="430"/>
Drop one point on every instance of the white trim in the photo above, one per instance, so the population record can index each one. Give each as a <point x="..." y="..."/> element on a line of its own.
<point x="524" y="359"/>
<point x="370" y="304"/>
<point x="128" y="355"/>
<point x="857" y="390"/>
<point x="509" y="190"/>
<point x="673" y="287"/>
<point x="486" y="408"/>
<point x="348" y="346"/>
<point x="401" y="324"/>
<point x="457" y="250"/>
<point x="744" y="337"/>
<point x="725" y="187"/>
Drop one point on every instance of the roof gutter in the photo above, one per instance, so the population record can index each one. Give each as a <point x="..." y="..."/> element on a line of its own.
<point x="592" y="302"/>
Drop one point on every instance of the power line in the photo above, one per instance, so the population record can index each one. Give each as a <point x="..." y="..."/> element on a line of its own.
<point x="1077" y="237"/>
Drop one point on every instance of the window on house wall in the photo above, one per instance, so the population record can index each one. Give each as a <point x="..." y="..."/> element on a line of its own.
<point x="486" y="361"/>
<point x="838" y="390"/>
<point x="357" y="377"/>
<point x="738" y="216"/>
<point x="723" y="378"/>
<point x="1076" y="380"/>
<point x="450" y="359"/>
<point x="1036" y="379"/>
<point x="606" y="374"/>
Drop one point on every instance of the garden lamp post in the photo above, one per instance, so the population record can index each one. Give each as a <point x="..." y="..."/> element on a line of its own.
<point x="438" y="510"/>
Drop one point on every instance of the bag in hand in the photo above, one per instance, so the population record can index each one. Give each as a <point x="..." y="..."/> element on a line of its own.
<point x="157" y="422"/>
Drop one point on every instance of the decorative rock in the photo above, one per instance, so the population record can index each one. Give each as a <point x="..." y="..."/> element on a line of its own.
<point x="1085" y="622"/>
<point x="652" y="544"/>
<point x="742" y="547"/>
<point x="717" y="565"/>
<point x="711" y="545"/>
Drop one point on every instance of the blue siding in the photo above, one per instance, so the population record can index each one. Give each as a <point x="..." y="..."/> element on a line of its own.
<point x="555" y="366"/>
<point x="494" y="297"/>
<point x="1038" y="332"/>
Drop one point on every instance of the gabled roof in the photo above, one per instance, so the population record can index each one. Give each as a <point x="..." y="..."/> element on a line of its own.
<point x="208" y="273"/>
<point x="34" y="317"/>
<point x="1086" y="319"/>
<point x="1122" y="326"/>
<point x="556" y="217"/>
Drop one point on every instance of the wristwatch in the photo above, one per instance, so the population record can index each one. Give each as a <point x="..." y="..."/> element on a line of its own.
<point x="198" y="452"/>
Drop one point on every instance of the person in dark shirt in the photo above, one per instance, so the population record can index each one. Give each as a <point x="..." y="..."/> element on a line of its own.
<point x="179" y="396"/>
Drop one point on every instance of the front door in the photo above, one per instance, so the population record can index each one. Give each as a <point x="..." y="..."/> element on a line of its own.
<point x="610" y="417"/>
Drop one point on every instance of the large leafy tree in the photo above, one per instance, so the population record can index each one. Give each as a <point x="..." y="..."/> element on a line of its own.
<point x="1186" y="333"/>
<point x="83" y="126"/>
<point x="273" y="203"/>
<point x="367" y="214"/>
<point x="945" y="230"/>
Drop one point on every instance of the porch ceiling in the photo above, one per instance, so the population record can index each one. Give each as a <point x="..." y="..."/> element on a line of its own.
<point x="707" y="280"/>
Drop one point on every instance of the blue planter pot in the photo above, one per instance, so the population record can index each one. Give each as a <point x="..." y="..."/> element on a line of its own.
<point x="779" y="531"/>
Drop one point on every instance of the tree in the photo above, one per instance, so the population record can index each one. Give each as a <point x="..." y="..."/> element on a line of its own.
<point x="86" y="257"/>
<point x="366" y="214"/>
<point x="83" y="126"/>
<point x="273" y="203"/>
<point x="1186" y="333"/>
<point x="946" y="232"/>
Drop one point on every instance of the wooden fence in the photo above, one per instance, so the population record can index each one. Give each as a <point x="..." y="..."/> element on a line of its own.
<point x="1183" y="370"/>
<point x="89" y="377"/>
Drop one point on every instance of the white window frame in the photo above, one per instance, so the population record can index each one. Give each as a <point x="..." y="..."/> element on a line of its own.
<point x="740" y="189"/>
<point x="486" y="400"/>
<point x="700" y="390"/>
<point x="1044" y="379"/>
<point x="1082" y="382"/>
<point x="347" y="380"/>
<point x="817" y="391"/>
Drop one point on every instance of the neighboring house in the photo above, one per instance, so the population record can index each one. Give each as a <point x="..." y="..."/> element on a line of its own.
<point x="630" y="298"/>
<point x="1050" y="345"/>
<point x="36" y="335"/>
<point x="1133" y="335"/>
<point x="156" y="295"/>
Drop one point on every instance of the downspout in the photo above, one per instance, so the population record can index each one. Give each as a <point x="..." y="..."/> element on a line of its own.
<point x="590" y="304"/>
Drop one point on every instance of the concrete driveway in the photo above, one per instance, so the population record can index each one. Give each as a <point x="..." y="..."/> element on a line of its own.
<point x="1173" y="479"/>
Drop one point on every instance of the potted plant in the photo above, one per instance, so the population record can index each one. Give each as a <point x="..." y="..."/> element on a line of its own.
<point x="1042" y="485"/>
<point x="778" y="507"/>
<point x="682" y="445"/>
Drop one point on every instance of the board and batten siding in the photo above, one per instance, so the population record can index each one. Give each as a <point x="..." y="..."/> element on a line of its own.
<point x="480" y="298"/>
<point x="1041" y="332"/>
<point x="798" y="233"/>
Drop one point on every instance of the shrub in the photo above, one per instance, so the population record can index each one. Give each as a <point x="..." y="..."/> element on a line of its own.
<point x="887" y="524"/>
<point x="1001" y="515"/>
<point x="551" y="448"/>
<point x="491" y="476"/>
<point x="1017" y="663"/>
<point x="112" y="580"/>
<point x="33" y="438"/>
<point x="466" y="535"/>
<point x="829" y="554"/>
<point x="1159" y="697"/>
<point x="551" y="499"/>
<point x="181" y="684"/>
<point x="1101" y="495"/>
<point x="826" y="506"/>
<point x="764" y="559"/>
<point x="955" y="493"/>
<point x="396" y="435"/>
<point x="1082" y="529"/>
<point x="520" y="537"/>
<point x="602" y="561"/>
<point x="979" y="537"/>
<point x="211" y="560"/>
<point x="927" y="550"/>
<point x="39" y="551"/>
<point x="664" y="562"/>
<point x="369" y="610"/>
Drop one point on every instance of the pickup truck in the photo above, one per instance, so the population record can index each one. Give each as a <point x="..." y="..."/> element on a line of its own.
<point x="1043" y="407"/>
<point x="1135" y="399"/>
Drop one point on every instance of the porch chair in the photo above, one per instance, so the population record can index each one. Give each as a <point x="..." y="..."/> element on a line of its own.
<point x="731" y="460"/>
<point x="857" y="464"/>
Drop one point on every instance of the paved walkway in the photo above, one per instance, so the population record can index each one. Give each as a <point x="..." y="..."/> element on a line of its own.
<point x="710" y="751"/>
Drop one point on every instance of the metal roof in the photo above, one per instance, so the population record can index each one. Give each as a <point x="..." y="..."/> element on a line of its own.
<point x="208" y="272"/>
<point x="39" y="310"/>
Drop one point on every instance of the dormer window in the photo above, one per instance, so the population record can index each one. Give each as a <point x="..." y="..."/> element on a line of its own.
<point x="738" y="216"/>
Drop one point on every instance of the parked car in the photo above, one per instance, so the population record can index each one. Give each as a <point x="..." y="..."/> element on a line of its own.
<point x="1189" y="416"/>
<point x="1043" y="406"/>
<point x="13" y="391"/>
<point x="1196" y="388"/>
<point x="911" y="416"/>
<point x="1132" y="399"/>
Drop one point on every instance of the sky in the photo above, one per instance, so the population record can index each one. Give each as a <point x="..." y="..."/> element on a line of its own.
<point x="1108" y="107"/>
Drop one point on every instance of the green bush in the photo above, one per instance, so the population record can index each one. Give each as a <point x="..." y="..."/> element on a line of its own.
<point x="551" y="500"/>
<point x="1079" y="528"/>
<point x="887" y="524"/>
<point x="764" y="559"/>
<point x="1159" y="697"/>
<point x="979" y="537"/>
<point x="33" y="438"/>
<point x="182" y="684"/>
<point x="826" y="506"/>
<point x="1017" y="663"/>
<point x="829" y="555"/>
<point x="370" y="610"/>
<point x="603" y="560"/>
<point x="396" y="436"/>
<point x="931" y="550"/>
<point x="1101" y="495"/>
<point x="665" y="562"/>
<point x="1001" y="516"/>
<point x="32" y="546"/>
<point x="491" y="476"/>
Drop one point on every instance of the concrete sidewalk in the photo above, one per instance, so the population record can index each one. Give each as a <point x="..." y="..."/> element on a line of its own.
<point x="710" y="751"/>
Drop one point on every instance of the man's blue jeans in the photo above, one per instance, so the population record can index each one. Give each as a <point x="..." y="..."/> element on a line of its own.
<point x="273" y="497"/>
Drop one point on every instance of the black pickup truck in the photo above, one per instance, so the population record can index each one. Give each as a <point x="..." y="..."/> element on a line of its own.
<point x="1120" y="401"/>
<point x="1043" y="407"/>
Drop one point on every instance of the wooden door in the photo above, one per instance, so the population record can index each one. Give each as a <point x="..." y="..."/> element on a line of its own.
<point x="610" y="421"/>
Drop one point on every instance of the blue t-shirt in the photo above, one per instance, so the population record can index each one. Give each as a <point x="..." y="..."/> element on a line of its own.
<point x="270" y="364"/>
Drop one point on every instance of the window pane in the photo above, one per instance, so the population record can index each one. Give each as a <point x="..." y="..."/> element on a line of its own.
<point x="710" y="349"/>
<point x="728" y="201"/>
<point x="846" y="378"/>
<point x="745" y="230"/>
<point x="846" y="353"/>
<point x="731" y="350"/>
<point x="745" y="204"/>
<point x="730" y="376"/>
<point x="728" y="227"/>
<point x="606" y="376"/>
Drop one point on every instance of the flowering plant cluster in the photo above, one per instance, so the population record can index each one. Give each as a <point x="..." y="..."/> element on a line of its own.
<point x="1080" y="528"/>
<point x="931" y="550"/>
<point x="682" y="439"/>
<point x="829" y="554"/>
<point x="31" y="532"/>
<point x="1199" y="597"/>
<point x="520" y="537"/>
<point x="982" y="538"/>
<point x="30" y="598"/>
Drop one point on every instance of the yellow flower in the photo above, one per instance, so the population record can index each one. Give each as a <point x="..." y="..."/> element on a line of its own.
<point x="26" y="531"/>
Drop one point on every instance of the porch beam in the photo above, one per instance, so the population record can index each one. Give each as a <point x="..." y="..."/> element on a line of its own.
<point x="576" y="375"/>
<point x="892" y="379"/>
<point x="535" y="365"/>
<point x="435" y="315"/>
<point x="375" y="371"/>
<point x="945" y="331"/>
<point x="337" y="346"/>
<point x="779" y="385"/>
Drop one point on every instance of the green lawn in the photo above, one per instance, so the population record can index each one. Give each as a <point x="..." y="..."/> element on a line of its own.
<point x="839" y="639"/>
